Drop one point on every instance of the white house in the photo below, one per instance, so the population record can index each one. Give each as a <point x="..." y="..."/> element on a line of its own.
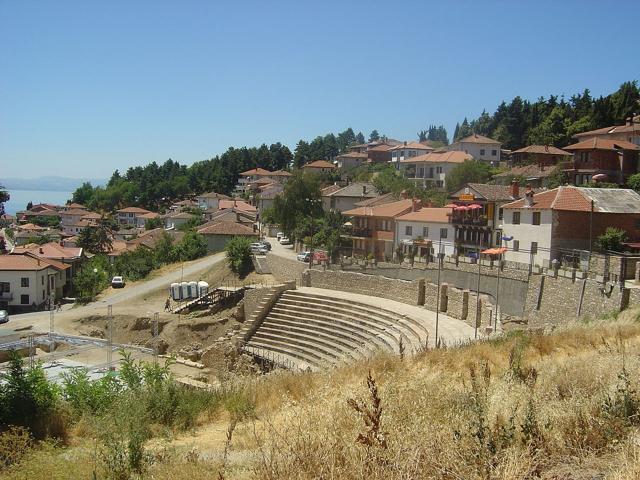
<point x="351" y="160"/>
<point x="210" y="200"/>
<point x="175" y="220"/>
<point x="345" y="198"/>
<point x="552" y="224"/>
<point x="431" y="169"/>
<point x="479" y="147"/>
<point x="428" y="229"/>
<point x="407" y="151"/>
<point x="129" y="216"/>
<point x="27" y="281"/>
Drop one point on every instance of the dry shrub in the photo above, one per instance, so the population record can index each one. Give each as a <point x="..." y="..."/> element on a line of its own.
<point x="15" y="443"/>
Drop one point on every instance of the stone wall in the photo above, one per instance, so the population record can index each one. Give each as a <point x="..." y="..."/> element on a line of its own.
<point x="251" y="299"/>
<point x="404" y="291"/>
<point x="285" y="269"/>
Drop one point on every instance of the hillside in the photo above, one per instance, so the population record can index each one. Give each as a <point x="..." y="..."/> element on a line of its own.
<point x="563" y="405"/>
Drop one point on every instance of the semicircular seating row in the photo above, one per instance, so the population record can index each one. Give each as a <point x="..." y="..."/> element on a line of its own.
<point x="310" y="331"/>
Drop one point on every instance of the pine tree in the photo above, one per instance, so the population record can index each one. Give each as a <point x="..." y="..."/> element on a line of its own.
<point x="374" y="136"/>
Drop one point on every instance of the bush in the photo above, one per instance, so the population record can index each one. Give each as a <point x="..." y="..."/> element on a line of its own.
<point x="239" y="255"/>
<point x="612" y="239"/>
<point x="29" y="400"/>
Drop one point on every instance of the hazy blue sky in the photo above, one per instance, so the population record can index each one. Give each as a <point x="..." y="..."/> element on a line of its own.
<point x="90" y="86"/>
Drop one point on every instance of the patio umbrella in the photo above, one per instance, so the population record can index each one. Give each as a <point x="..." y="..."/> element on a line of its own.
<point x="474" y="206"/>
<point x="450" y="205"/>
<point x="461" y="208"/>
<point x="494" y="251"/>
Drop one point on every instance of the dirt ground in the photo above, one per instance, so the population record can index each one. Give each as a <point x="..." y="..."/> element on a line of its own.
<point x="184" y="335"/>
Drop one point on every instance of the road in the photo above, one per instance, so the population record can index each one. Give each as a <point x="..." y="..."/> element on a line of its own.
<point x="39" y="321"/>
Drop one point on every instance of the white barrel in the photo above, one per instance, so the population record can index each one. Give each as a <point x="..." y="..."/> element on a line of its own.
<point x="184" y="288"/>
<point x="175" y="291"/>
<point x="203" y="288"/>
<point x="193" y="289"/>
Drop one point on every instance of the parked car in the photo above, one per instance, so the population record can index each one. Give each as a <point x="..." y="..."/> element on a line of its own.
<point x="279" y="235"/>
<point x="265" y="244"/>
<point x="304" y="256"/>
<point x="258" y="249"/>
<point x="285" y="241"/>
<point x="4" y="316"/>
<point x="117" y="282"/>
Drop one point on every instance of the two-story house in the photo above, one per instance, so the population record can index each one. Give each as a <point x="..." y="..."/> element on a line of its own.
<point x="318" y="166"/>
<point x="612" y="160"/>
<point x="479" y="147"/>
<point x="254" y="175"/>
<point x="344" y="198"/>
<point x="27" y="281"/>
<point x="477" y="215"/>
<point x="131" y="216"/>
<point x="373" y="227"/>
<point x="408" y="150"/>
<point x="546" y="225"/>
<point x="210" y="200"/>
<point x="534" y="164"/>
<point x="351" y="160"/>
<point x="629" y="132"/>
<point x="428" y="231"/>
<point x="431" y="169"/>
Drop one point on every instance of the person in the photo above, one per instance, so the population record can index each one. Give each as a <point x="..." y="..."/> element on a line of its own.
<point x="167" y="305"/>
<point x="59" y="306"/>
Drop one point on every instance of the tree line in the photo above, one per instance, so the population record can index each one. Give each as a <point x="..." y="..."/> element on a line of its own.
<point x="553" y="120"/>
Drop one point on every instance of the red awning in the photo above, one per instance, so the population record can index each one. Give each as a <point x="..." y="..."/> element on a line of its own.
<point x="474" y="206"/>
<point x="494" y="251"/>
<point x="461" y="208"/>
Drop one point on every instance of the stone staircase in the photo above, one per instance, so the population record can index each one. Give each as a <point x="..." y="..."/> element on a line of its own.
<point x="311" y="331"/>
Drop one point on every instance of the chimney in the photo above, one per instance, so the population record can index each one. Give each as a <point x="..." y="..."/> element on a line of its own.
<point x="364" y="190"/>
<point x="528" y="196"/>
<point x="404" y="195"/>
<point x="41" y="251"/>
<point x="415" y="204"/>
<point x="405" y="143"/>
<point x="514" y="189"/>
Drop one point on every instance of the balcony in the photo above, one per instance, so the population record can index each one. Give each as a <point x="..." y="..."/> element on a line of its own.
<point x="464" y="220"/>
<point x="6" y="296"/>
<point x="360" y="232"/>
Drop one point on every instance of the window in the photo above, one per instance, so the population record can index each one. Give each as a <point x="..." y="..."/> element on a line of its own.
<point x="5" y="287"/>
<point x="430" y="172"/>
<point x="500" y="213"/>
<point x="482" y="151"/>
<point x="421" y="172"/>
<point x="494" y="153"/>
<point x="516" y="218"/>
<point x="584" y="157"/>
<point x="24" y="282"/>
<point x="24" y="299"/>
<point x="443" y="233"/>
<point x="536" y="218"/>
<point x="425" y="232"/>
<point x="516" y="245"/>
<point x="438" y="169"/>
<point x="534" y="248"/>
<point x="408" y="230"/>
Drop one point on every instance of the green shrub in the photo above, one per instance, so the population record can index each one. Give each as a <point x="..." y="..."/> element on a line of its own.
<point x="239" y="255"/>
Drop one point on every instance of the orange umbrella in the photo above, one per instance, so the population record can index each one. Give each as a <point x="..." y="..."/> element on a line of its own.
<point x="494" y="251"/>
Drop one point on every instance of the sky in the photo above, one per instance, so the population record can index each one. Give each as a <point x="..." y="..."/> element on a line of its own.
<point x="90" y="86"/>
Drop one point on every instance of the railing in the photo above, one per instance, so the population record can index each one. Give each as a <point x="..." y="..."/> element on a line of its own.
<point x="360" y="232"/>
<point x="480" y="222"/>
<point x="6" y="296"/>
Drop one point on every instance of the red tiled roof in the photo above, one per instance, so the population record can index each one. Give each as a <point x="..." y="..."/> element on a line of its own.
<point x="133" y="210"/>
<point x="239" y="204"/>
<point x="210" y="195"/>
<point x="353" y="155"/>
<point x="31" y="227"/>
<point x="602" y="144"/>
<point x="50" y="250"/>
<point x="413" y="146"/>
<point x="542" y="149"/>
<point x="318" y="164"/>
<point x="330" y="189"/>
<point x="75" y="206"/>
<point x="561" y="198"/>
<point x="227" y="228"/>
<point x="281" y="173"/>
<point x="388" y="210"/>
<point x="435" y="215"/>
<point x="42" y="213"/>
<point x="75" y="211"/>
<point x="609" y="130"/>
<point x="453" y="156"/>
<point x="475" y="138"/>
<point x="28" y="262"/>
<point x="256" y="171"/>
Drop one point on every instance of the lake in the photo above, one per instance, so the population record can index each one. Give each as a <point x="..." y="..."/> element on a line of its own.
<point x="20" y="198"/>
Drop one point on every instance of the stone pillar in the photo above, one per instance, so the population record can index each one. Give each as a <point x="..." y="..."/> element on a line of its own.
<point x="421" y="292"/>
<point x="444" y="299"/>
<point x="465" y="305"/>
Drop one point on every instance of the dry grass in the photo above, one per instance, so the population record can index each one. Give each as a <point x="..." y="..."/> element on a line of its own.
<point x="559" y="406"/>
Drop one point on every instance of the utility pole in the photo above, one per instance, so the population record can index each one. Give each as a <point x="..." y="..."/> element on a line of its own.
<point x="438" y="295"/>
<point x="109" y="336"/>
<point x="475" y="330"/>
<point x="156" y="316"/>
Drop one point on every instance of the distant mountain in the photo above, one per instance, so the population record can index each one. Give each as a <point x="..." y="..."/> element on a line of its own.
<point x="52" y="183"/>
